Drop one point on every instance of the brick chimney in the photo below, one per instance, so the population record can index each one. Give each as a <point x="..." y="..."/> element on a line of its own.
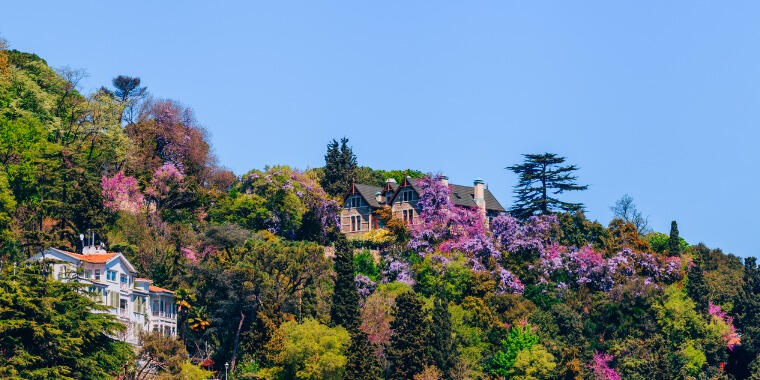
<point x="479" y="196"/>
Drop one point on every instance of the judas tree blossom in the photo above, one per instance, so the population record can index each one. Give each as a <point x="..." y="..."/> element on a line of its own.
<point x="121" y="193"/>
<point x="164" y="179"/>
<point x="600" y="366"/>
<point x="730" y="336"/>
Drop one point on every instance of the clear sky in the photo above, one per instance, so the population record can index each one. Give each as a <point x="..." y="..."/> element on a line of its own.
<point x="657" y="99"/>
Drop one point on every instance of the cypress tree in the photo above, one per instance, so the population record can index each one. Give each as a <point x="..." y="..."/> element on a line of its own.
<point x="442" y="348"/>
<point x="340" y="168"/>
<point x="345" y="299"/>
<point x="674" y="243"/>
<point x="542" y="177"/>
<point x="696" y="287"/>
<point x="747" y="321"/>
<point x="407" y="354"/>
<point x="362" y="363"/>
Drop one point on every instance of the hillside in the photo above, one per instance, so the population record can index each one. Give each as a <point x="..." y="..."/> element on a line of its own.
<point x="543" y="295"/>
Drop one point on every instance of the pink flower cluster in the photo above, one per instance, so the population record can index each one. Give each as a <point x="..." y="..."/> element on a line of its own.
<point x="121" y="193"/>
<point x="731" y="337"/>
<point x="600" y="366"/>
<point x="164" y="179"/>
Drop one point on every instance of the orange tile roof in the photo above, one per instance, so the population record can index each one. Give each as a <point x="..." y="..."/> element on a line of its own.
<point x="156" y="289"/>
<point x="143" y="279"/>
<point x="98" y="258"/>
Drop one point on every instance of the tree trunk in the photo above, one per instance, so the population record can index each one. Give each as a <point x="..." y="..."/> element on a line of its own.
<point x="237" y="342"/>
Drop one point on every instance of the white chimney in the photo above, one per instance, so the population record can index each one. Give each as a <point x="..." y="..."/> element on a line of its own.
<point x="479" y="195"/>
<point x="445" y="180"/>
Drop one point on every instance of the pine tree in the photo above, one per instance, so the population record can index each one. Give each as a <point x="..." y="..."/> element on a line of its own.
<point x="674" y="243"/>
<point x="541" y="178"/>
<point x="340" y="168"/>
<point x="52" y="330"/>
<point x="407" y="354"/>
<point x="345" y="300"/>
<point x="443" y="351"/>
<point x="696" y="287"/>
<point x="747" y="308"/>
<point x="362" y="363"/>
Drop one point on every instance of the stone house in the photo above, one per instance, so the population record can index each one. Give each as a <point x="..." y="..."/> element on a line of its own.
<point x="357" y="216"/>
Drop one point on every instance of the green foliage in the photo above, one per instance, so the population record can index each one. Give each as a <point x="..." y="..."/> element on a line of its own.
<point x="443" y="349"/>
<point x="533" y="363"/>
<point x="452" y="281"/>
<point x="308" y="350"/>
<point x="188" y="371"/>
<point x="362" y="361"/>
<point x="345" y="300"/>
<point x="407" y="354"/>
<point x="576" y="230"/>
<point x="659" y="242"/>
<point x="364" y="262"/>
<point x="340" y="168"/>
<point x="541" y="177"/>
<point x="48" y="329"/>
<point x="519" y="338"/>
<point x="696" y="286"/>
<point x="674" y="242"/>
<point x="377" y="177"/>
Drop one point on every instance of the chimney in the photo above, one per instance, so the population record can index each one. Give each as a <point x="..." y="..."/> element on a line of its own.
<point x="379" y="197"/>
<point x="445" y="180"/>
<point x="479" y="195"/>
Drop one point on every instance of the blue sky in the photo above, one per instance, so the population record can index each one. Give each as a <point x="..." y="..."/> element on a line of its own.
<point x="651" y="98"/>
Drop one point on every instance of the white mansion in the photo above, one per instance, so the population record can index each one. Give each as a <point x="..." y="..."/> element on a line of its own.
<point x="111" y="279"/>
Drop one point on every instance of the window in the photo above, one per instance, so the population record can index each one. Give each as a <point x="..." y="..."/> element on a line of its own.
<point x="155" y="307"/>
<point x="97" y="274"/>
<point x="408" y="216"/>
<point x="111" y="275"/>
<point x="356" y="223"/>
<point x="87" y="273"/>
<point x="124" y="279"/>
<point x="407" y="196"/>
<point x="123" y="304"/>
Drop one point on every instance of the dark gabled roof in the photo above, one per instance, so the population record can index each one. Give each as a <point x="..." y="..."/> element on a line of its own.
<point x="460" y="195"/>
<point x="368" y="193"/>
<point x="465" y="196"/>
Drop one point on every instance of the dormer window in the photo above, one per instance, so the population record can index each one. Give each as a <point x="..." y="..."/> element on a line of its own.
<point x="407" y="196"/>
<point x="354" y="202"/>
<point x="111" y="275"/>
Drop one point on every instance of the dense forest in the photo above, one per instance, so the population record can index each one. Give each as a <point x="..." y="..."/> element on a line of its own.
<point x="540" y="292"/>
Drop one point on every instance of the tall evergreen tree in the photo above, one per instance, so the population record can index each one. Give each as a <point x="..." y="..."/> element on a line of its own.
<point x="443" y="350"/>
<point x="51" y="330"/>
<point x="345" y="300"/>
<point x="747" y="308"/>
<point x="674" y="243"/>
<point x="542" y="177"/>
<point x="407" y="354"/>
<point x="362" y="363"/>
<point x="340" y="168"/>
<point x="696" y="287"/>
